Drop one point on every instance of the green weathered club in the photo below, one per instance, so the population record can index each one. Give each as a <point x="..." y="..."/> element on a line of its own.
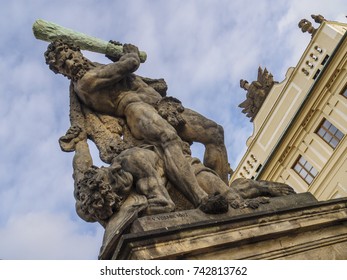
<point x="49" y="31"/>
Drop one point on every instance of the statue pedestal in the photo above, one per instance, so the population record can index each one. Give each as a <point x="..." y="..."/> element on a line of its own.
<point x="290" y="227"/>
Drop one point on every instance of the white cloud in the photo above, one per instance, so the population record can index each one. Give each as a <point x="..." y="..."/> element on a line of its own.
<point x="43" y="235"/>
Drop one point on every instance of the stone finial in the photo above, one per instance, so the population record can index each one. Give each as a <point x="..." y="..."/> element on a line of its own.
<point x="306" y="26"/>
<point x="318" y="18"/>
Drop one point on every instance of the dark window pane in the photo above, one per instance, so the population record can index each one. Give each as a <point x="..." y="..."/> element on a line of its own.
<point x="297" y="168"/>
<point x="345" y="93"/>
<point x="333" y="129"/>
<point x="327" y="137"/>
<point x="326" y="124"/>
<point x="308" y="166"/>
<point x="339" y="135"/>
<point x="329" y="133"/>
<point x="303" y="173"/>
<point x="321" y="132"/>
<point x="305" y="170"/>
<point x="334" y="143"/>
<point x="309" y="179"/>
<point x="314" y="172"/>
<point x="302" y="161"/>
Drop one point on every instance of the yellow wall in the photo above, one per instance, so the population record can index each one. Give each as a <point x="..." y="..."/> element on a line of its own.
<point x="285" y="126"/>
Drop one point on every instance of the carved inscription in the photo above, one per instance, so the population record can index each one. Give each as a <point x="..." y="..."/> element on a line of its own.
<point x="170" y="216"/>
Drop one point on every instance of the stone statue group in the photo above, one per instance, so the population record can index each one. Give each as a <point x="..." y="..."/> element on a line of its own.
<point x="144" y="138"/>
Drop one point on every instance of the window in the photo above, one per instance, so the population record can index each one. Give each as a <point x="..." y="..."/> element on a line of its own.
<point x="305" y="170"/>
<point x="344" y="93"/>
<point x="316" y="74"/>
<point x="258" y="168"/>
<point x="325" y="59"/>
<point x="329" y="133"/>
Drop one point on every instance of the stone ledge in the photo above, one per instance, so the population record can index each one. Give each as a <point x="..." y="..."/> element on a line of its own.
<point x="300" y="228"/>
<point x="194" y="217"/>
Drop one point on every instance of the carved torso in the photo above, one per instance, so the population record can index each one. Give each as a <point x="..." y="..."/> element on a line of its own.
<point x="114" y="98"/>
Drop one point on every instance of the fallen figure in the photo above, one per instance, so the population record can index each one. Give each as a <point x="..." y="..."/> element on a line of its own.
<point x="242" y="193"/>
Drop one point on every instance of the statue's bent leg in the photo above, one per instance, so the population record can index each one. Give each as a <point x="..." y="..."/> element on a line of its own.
<point x="181" y="174"/>
<point x="205" y="131"/>
<point x="212" y="184"/>
<point x="157" y="196"/>
<point x="147" y="171"/>
<point x="145" y="123"/>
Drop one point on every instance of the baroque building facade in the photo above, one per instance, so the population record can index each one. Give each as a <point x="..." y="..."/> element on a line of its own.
<point x="300" y="128"/>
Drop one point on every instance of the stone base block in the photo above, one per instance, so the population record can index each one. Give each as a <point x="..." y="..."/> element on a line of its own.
<point x="291" y="227"/>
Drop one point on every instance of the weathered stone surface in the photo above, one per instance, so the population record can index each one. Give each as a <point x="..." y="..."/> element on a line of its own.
<point x="189" y="217"/>
<point x="145" y="138"/>
<point x="257" y="91"/>
<point x="305" y="230"/>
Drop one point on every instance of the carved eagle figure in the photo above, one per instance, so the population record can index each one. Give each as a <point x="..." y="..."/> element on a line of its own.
<point x="257" y="92"/>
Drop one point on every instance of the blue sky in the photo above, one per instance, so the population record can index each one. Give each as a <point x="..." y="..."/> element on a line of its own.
<point x="201" y="48"/>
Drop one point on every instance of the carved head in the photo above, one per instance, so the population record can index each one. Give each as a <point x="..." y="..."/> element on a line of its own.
<point x="101" y="192"/>
<point x="66" y="59"/>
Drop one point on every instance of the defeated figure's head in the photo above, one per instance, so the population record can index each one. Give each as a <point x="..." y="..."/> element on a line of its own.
<point x="101" y="192"/>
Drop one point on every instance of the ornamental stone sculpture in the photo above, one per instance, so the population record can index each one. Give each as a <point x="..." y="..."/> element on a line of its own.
<point x="257" y="92"/>
<point x="144" y="138"/>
